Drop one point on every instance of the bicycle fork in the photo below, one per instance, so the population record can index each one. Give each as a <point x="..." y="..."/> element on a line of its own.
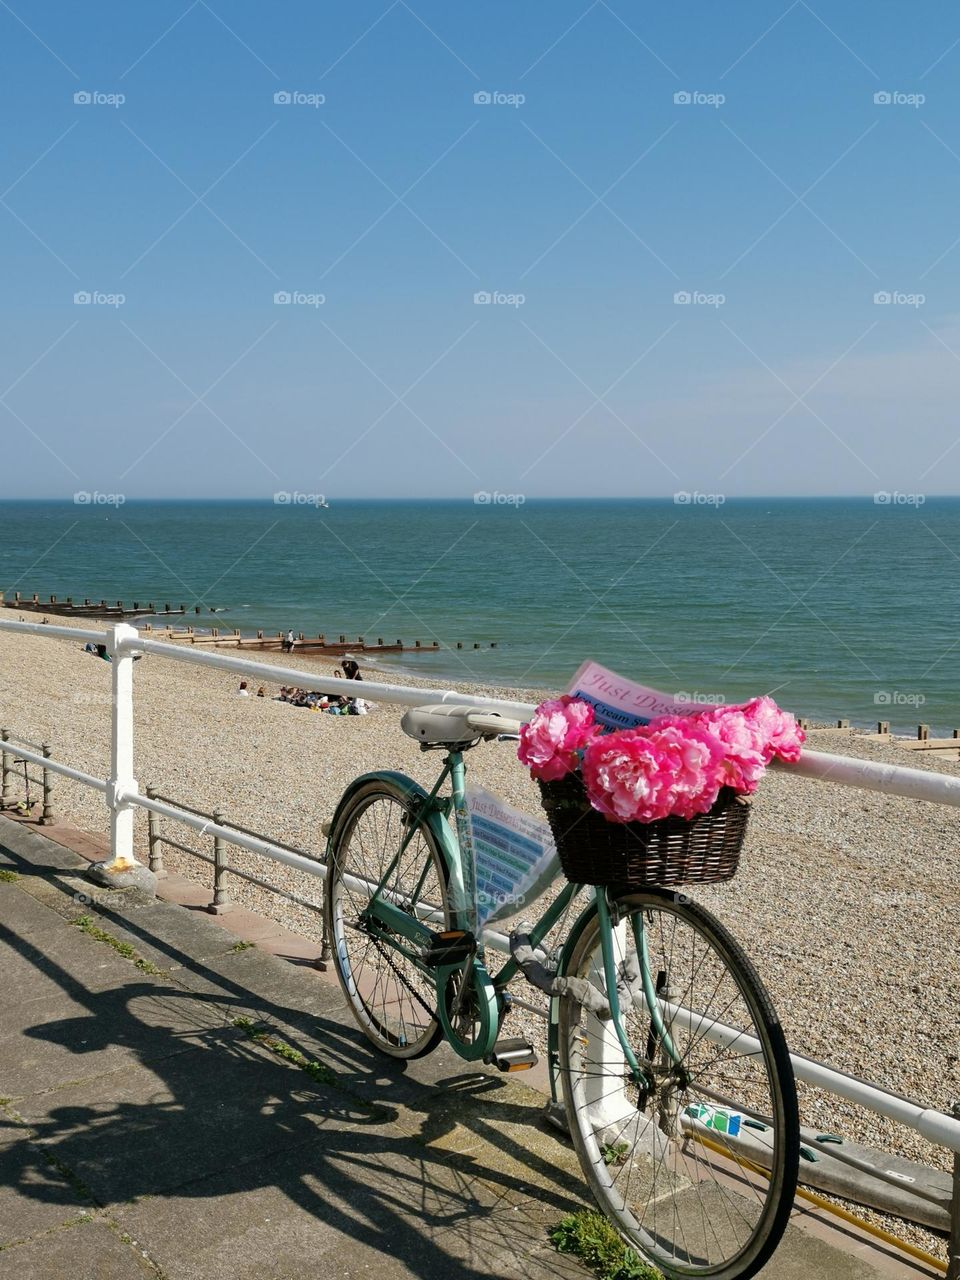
<point x="637" y="979"/>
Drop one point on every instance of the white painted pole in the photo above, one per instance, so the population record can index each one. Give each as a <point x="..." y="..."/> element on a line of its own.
<point x="121" y="784"/>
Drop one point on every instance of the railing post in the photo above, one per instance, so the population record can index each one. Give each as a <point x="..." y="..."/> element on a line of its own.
<point x="46" y="815"/>
<point x="221" y="902"/>
<point x="6" y="787"/>
<point x="154" y="845"/>
<point x="122" y="781"/>
<point x="953" y="1249"/>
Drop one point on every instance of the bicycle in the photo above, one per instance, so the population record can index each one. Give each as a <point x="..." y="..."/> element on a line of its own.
<point x="663" y="1044"/>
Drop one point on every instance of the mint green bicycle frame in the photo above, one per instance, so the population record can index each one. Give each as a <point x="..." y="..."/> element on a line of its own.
<point x="432" y="810"/>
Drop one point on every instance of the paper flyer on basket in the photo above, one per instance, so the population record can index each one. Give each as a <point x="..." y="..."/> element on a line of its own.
<point x="619" y="703"/>
<point x="514" y="856"/>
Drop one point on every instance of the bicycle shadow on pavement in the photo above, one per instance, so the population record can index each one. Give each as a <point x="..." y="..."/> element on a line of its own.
<point x="149" y="1100"/>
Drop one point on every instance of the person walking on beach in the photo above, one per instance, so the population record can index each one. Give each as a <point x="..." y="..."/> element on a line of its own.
<point x="288" y="643"/>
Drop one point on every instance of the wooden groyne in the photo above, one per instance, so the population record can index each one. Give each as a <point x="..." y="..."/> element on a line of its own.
<point x="69" y="608"/>
<point x="319" y="644"/>
<point x="116" y="612"/>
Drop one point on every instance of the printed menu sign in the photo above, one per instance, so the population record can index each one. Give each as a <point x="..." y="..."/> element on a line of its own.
<point x="514" y="856"/>
<point x="619" y="703"/>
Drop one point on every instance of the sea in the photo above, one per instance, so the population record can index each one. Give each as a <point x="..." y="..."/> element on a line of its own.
<point x="838" y="607"/>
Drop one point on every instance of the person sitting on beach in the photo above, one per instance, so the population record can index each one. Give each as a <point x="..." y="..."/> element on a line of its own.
<point x="243" y="692"/>
<point x="261" y="692"/>
<point x="351" y="669"/>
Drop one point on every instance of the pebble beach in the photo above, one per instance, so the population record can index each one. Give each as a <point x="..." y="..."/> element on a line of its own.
<point x="847" y="901"/>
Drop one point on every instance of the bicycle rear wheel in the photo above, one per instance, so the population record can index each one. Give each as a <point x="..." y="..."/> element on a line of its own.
<point x="389" y="991"/>
<point x="697" y="1167"/>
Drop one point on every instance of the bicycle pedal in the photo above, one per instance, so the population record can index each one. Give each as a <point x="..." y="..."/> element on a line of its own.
<point x="450" y="947"/>
<point x="515" y="1054"/>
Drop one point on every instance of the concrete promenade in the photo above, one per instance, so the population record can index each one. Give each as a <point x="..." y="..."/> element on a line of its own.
<point x="178" y="1104"/>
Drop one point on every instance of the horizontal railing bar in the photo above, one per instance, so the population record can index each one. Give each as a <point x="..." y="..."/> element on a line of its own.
<point x="891" y="779"/>
<point x="34" y="746"/>
<point x="325" y="683"/>
<point x="272" y="888"/>
<point x="51" y="629"/>
<point x="252" y="843"/>
<point x="234" y="826"/>
<point x="183" y="848"/>
<point x="935" y="1126"/>
<point x="75" y="775"/>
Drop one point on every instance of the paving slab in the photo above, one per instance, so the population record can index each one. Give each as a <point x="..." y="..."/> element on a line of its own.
<point x="35" y="1196"/>
<point x="88" y="1249"/>
<point x="350" y="1203"/>
<point x="186" y="1116"/>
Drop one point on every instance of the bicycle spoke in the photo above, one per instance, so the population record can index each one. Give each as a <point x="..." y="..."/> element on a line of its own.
<point x="394" y="1001"/>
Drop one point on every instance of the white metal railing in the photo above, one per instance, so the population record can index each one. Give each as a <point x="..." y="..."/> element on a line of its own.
<point x="123" y="797"/>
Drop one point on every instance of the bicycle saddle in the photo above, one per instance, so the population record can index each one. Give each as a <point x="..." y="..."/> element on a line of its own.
<point x="447" y="726"/>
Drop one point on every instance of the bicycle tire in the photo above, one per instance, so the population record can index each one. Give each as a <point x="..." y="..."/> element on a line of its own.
<point x="708" y="1210"/>
<point x="392" y="999"/>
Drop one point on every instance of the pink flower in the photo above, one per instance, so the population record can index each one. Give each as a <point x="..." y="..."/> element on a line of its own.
<point x="557" y="731"/>
<point x="643" y="774"/>
<point x="741" y="743"/>
<point x="778" y="730"/>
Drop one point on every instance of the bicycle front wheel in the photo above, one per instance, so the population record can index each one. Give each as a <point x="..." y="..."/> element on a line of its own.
<point x="695" y="1163"/>
<point x="389" y="990"/>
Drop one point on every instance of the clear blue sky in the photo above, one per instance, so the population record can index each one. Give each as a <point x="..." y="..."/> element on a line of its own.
<point x="600" y="197"/>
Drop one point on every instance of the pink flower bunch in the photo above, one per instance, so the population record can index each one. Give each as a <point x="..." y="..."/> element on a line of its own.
<point x="559" y="729"/>
<point x="640" y="775"/>
<point x="673" y="767"/>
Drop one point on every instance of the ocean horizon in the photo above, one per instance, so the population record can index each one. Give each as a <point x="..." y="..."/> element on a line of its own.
<point x="837" y="606"/>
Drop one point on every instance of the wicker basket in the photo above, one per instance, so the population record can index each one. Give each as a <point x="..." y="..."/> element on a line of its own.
<point x="631" y="855"/>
